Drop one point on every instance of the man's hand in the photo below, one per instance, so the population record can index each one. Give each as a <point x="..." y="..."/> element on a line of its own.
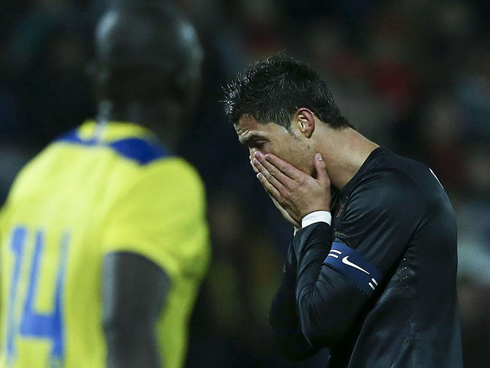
<point x="284" y="213"/>
<point x="295" y="192"/>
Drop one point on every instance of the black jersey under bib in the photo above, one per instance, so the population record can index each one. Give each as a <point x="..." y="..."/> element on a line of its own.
<point x="378" y="286"/>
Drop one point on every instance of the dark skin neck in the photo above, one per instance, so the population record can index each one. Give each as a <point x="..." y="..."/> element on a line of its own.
<point x="162" y="119"/>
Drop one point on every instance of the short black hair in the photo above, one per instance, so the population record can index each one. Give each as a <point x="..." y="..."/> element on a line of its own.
<point x="146" y="50"/>
<point x="272" y="91"/>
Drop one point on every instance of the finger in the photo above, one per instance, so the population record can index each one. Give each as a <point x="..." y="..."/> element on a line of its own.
<point x="275" y="172"/>
<point x="269" y="188"/>
<point x="285" y="168"/>
<point x="321" y="169"/>
<point x="272" y="180"/>
<point x="253" y="167"/>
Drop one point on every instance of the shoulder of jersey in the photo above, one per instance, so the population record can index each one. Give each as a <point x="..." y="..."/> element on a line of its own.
<point x="141" y="151"/>
<point x="177" y="171"/>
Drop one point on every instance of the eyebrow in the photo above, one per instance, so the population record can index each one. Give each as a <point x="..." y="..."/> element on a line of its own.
<point x="249" y="137"/>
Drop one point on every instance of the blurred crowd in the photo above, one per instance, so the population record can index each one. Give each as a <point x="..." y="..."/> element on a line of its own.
<point x="413" y="76"/>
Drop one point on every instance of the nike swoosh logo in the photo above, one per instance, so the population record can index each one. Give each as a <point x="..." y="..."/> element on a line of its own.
<point x="349" y="263"/>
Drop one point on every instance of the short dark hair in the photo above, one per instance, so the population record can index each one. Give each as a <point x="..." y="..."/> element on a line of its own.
<point x="146" y="50"/>
<point x="272" y="91"/>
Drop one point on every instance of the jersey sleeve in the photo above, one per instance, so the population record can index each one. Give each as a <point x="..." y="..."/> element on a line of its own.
<point x="3" y="220"/>
<point x="2" y="215"/>
<point x="162" y="217"/>
<point x="283" y="314"/>
<point x="2" y="238"/>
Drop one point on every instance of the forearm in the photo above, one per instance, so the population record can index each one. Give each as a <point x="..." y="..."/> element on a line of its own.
<point x="134" y="293"/>
<point x="327" y="301"/>
<point x="132" y="345"/>
<point x="285" y="322"/>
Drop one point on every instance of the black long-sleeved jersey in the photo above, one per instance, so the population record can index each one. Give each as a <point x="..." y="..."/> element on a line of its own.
<point x="378" y="287"/>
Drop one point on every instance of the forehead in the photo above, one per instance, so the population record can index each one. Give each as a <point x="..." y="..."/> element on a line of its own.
<point x="246" y="124"/>
<point x="247" y="127"/>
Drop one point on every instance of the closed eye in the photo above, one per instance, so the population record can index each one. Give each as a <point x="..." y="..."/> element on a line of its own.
<point x="253" y="140"/>
<point x="256" y="144"/>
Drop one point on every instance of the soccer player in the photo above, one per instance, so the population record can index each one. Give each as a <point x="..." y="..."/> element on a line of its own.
<point x="104" y="240"/>
<point x="371" y="271"/>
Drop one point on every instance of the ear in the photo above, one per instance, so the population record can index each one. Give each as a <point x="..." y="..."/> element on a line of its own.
<point x="305" y="119"/>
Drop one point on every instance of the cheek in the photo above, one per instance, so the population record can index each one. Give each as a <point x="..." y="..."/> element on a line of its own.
<point x="272" y="147"/>
<point x="300" y="157"/>
<point x="288" y="152"/>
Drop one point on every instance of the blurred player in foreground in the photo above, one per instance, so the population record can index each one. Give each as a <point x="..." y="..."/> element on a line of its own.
<point x="371" y="271"/>
<point x="103" y="236"/>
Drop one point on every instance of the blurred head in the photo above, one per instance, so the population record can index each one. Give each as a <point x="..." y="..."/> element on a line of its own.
<point x="147" y="54"/>
<point x="277" y="105"/>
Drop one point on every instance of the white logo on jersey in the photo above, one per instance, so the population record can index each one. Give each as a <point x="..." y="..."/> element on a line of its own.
<point x="373" y="284"/>
<point x="334" y="255"/>
<point x="349" y="263"/>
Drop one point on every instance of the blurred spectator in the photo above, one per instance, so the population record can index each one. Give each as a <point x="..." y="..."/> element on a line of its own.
<point x="473" y="93"/>
<point x="61" y="72"/>
<point x="441" y="132"/>
<point x="33" y="29"/>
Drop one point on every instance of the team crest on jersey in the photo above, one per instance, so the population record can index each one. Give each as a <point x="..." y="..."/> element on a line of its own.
<point x="341" y="210"/>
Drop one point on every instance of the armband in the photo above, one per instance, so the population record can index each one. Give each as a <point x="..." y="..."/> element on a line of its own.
<point x="352" y="264"/>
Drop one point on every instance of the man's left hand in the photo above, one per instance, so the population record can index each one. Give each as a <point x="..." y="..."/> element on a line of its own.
<point x="297" y="192"/>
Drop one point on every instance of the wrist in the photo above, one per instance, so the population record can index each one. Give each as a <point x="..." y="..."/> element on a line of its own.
<point x="316" y="216"/>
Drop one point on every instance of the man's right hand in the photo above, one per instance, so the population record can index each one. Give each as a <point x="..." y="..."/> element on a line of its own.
<point x="281" y="209"/>
<point x="295" y="192"/>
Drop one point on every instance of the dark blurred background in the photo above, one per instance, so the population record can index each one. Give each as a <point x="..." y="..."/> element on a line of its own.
<point x="413" y="76"/>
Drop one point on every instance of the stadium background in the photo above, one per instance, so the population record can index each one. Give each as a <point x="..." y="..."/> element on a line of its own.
<point x="413" y="76"/>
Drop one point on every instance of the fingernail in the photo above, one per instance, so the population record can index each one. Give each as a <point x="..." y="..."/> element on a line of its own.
<point x="319" y="157"/>
<point x="258" y="154"/>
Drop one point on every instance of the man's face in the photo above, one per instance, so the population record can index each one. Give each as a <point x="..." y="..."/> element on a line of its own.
<point x="291" y="146"/>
